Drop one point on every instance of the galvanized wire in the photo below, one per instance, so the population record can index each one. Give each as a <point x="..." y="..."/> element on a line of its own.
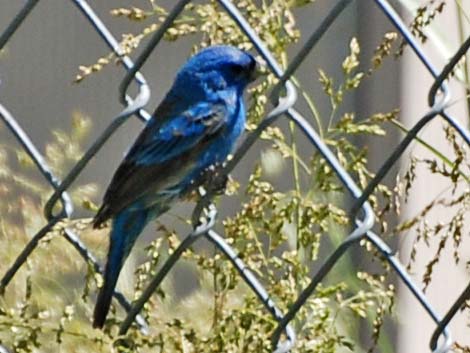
<point x="284" y="107"/>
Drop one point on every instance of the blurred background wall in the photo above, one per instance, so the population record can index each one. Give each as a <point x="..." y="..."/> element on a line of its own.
<point x="40" y="63"/>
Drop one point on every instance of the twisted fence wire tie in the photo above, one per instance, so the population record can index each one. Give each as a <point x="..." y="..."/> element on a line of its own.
<point x="283" y="103"/>
<point x="140" y="101"/>
<point x="255" y="285"/>
<point x="38" y="159"/>
<point x="353" y="238"/>
<point x="23" y="256"/>
<point x="114" y="45"/>
<point x="397" y="153"/>
<point x="453" y="62"/>
<point x="389" y="256"/>
<point x="445" y="347"/>
<point x="356" y="235"/>
<point x="440" y="84"/>
<point x="148" y="49"/>
<point x="203" y="227"/>
<point x="442" y="325"/>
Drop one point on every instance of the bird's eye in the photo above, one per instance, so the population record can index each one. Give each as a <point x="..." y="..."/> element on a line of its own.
<point x="236" y="69"/>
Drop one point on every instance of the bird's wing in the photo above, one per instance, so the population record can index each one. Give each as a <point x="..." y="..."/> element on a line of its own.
<point x="163" y="153"/>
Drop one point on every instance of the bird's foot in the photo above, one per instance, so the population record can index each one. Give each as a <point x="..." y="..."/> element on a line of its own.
<point x="216" y="180"/>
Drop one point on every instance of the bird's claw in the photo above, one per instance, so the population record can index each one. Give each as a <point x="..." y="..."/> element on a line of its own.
<point x="215" y="180"/>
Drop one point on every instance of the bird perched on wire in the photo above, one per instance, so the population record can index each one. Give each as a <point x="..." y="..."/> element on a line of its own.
<point x="194" y="127"/>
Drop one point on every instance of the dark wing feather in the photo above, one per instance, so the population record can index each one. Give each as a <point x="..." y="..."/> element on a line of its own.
<point x="163" y="152"/>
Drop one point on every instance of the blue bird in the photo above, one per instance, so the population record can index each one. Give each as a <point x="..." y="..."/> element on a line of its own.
<point x="194" y="127"/>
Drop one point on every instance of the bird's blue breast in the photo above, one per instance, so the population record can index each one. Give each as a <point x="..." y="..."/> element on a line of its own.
<point x="198" y="158"/>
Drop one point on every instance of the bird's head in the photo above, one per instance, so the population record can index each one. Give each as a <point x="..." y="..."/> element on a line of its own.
<point x="220" y="68"/>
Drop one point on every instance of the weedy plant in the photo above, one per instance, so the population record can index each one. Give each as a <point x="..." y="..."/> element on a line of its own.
<point x="278" y="234"/>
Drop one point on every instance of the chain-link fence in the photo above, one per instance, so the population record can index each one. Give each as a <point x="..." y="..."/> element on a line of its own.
<point x="438" y="99"/>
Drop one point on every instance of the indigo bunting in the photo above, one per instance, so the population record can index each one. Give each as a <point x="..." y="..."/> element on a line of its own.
<point x="194" y="127"/>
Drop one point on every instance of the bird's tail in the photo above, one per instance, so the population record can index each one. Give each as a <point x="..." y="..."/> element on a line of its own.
<point x="126" y="227"/>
